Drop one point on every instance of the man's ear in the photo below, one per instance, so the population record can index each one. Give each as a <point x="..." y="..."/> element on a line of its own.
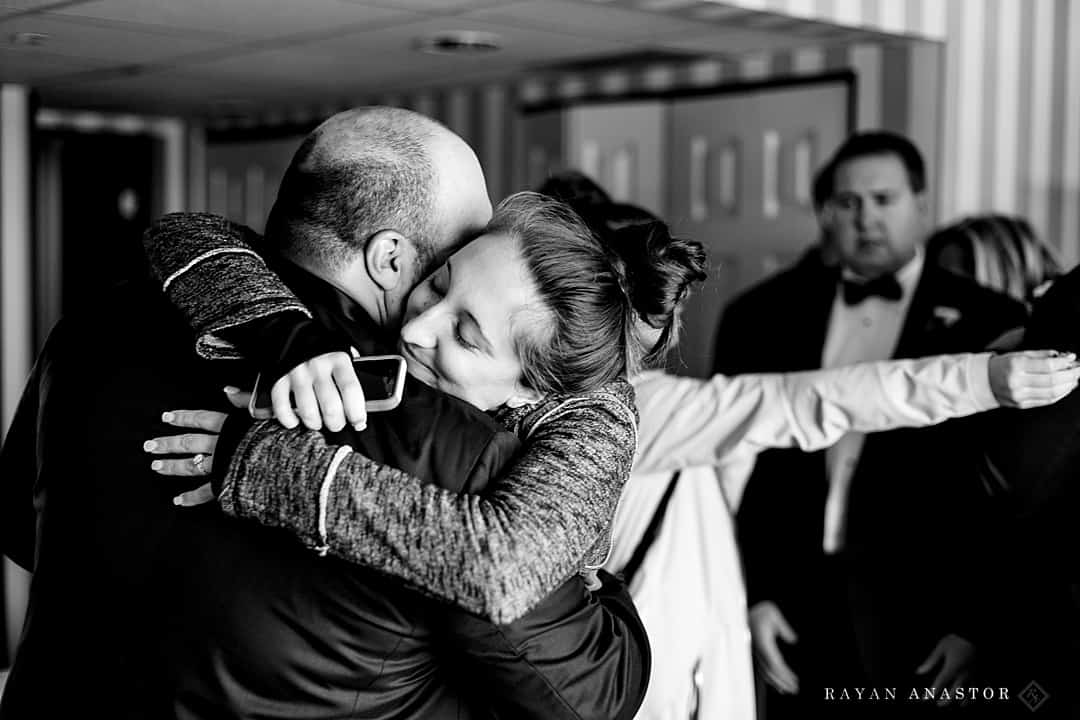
<point x="386" y="255"/>
<point x="523" y="396"/>
<point x="922" y="202"/>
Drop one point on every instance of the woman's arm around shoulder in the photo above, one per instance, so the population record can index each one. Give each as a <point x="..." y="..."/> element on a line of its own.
<point x="495" y="554"/>
<point x="211" y="270"/>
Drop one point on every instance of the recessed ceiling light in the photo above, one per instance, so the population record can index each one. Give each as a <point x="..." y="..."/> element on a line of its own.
<point x="459" y="42"/>
<point x="29" y="39"/>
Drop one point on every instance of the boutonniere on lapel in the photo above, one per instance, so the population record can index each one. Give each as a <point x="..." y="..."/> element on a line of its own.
<point x="944" y="316"/>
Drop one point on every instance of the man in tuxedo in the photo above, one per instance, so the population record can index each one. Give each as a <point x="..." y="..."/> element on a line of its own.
<point x="857" y="558"/>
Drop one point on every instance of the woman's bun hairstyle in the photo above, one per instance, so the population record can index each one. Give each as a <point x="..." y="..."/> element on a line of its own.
<point x="656" y="270"/>
<point x="659" y="270"/>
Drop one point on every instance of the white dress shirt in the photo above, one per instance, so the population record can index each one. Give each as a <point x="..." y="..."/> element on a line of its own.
<point x="858" y="333"/>
<point x="689" y="589"/>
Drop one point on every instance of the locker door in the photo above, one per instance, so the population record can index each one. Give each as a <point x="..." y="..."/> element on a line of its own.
<point x="542" y="151"/>
<point x="741" y="170"/>
<point x="621" y="146"/>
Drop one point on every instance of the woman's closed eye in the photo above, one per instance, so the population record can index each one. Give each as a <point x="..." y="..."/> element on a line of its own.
<point x="461" y="339"/>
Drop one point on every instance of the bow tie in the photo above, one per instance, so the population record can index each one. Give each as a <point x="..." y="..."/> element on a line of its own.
<point x="887" y="287"/>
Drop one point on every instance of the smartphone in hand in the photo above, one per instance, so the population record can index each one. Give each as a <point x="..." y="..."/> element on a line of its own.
<point x="382" y="378"/>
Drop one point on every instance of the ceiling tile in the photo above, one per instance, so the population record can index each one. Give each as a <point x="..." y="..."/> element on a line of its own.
<point x="10" y="6"/>
<point x="519" y="45"/>
<point x="100" y="41"/>
<point x="587" y="20"/>
<point x="435" y="6"/>
<point x="250" y="18"/>
<point x="195" y="56"/>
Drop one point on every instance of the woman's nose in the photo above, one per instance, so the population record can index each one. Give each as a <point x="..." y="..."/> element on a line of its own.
<point x="422" y="330"/>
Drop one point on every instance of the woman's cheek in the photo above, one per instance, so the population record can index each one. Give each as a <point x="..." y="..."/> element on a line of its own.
<point x="456" y="367"/>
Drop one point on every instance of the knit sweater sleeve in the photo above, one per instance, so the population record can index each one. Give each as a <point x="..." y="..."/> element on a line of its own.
<point x="211" y="270"/>
<point x="496" y="554"/>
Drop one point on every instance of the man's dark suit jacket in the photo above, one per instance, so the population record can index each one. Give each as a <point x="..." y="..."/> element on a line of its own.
<point x="141" y="610"/>
<point x="907" y="537"/>
<point x="1031" y="464"/>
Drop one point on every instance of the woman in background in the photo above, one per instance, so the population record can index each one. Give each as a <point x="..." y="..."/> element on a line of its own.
<point x="1001" y="252"/>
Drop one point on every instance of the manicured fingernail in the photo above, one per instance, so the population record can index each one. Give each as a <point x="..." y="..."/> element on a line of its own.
<point x="149" y="445"/>
<point x="360" y="426"/>
<point x="156" y="465"/>
<point x="177" y="500"/>
<point x="230" y="390"/>
<point x="167" y="416"/>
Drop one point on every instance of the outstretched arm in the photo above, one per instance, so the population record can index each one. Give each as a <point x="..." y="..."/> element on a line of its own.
<point x="686" y="421"/>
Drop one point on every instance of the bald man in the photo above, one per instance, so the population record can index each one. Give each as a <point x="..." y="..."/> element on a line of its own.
<point x="138" y="610"/>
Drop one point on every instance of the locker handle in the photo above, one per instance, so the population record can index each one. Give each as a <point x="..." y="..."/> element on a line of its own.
<point x="770" y="192"/>
<point x="699" y="156"/>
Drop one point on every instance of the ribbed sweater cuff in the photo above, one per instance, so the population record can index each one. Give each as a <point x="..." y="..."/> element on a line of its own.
<point x="263" y="483"/>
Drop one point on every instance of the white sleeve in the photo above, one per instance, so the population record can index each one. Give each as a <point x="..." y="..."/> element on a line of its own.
<point x="688" y="421"/>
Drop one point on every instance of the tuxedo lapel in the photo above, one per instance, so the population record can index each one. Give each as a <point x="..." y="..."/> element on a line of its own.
<point x="918" y="318"/>
<point x="812" y="314"/>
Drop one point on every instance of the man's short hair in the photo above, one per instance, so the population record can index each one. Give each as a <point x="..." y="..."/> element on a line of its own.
<point x="359" y="172"/>
<point x="866" y="144"/>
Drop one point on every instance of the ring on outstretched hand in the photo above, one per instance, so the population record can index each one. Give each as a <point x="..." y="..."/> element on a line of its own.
<point x="197" y="462"/>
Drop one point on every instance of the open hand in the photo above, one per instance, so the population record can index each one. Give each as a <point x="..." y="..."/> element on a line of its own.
<point x="1032" y="378"/>
<point x="325" y="390"/>
<point x="199" y="446"/>
<point x="955" y="659"/>
<point x="767" y="626"/>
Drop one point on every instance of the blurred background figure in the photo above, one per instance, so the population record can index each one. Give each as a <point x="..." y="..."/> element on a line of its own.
<point x="822" y="535"/>
<point x="1001" y="252"/>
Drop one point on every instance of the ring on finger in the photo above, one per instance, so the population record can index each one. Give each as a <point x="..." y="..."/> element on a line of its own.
<point x="197" y="463"/>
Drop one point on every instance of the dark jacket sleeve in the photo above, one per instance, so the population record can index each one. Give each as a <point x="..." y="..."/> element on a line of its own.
<point x="577" y="656"/>
<point x="18" y="474"/>
<point x="19" y="461"/>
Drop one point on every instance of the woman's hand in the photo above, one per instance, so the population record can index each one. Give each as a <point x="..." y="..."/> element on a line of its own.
<point x="1032" y="378"/>
<point x="325" y="390"/>
<point x="199" y="445"/>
